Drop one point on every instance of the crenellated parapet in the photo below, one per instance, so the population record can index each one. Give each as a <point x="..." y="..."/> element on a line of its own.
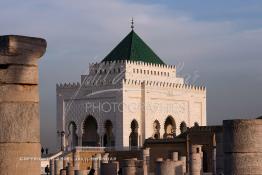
<point x="138" y="63"/>
<point x="112" y="71"/>
<point x="153" y="65"/>
<point x="67" y="85"/>
<point x="96" y="67"/>
<point x="165" y="85"/>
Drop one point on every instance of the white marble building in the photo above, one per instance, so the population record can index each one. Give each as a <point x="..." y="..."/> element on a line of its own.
<point x="130" y="96"/>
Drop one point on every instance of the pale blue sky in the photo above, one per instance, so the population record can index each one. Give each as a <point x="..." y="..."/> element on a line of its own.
<point x="219" y="42"/>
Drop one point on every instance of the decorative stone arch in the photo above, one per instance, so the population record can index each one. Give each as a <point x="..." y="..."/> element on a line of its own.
<point x="72" y="136"/>
<point x="133" y="138"/>
<point x="183" y="127"/>
<point x="90" y="136"/>
<point x="108" y="138"/>
<point x="169" y="127"/>
<point x="156" y="130"/>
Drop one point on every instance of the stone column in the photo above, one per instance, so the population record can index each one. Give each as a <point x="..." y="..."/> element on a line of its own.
<point x="214" y="154"/>
<point x="129" y="166"/>
<point x="63" y="172"/>
<point x="65" y="161"/>
<point x="183" y="159"/>
<point x="146" y="159"/>
<point x="167" y="167"/>
<point x="52" y="166"/>
<point x="109" y="168"/>
<point x="19" y="108"/>
<point x="95" y="164"/>
<point x="175" y="156"/>
<point x="242" y="146"/>
<point x="195" y="160"/>
<point x="158" y="166"/>
<point x="58" y="166"/>
<point x="76" y="159"/>
<point x="80" y="141"/>
<point x="105" y="158"/>
<point x="63" y="141"/>
<point x="219" y="153"/>
<point x="70" y="169"/>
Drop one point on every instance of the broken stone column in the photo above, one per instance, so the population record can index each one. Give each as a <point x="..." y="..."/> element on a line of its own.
<point x="96" y="163"/>
<point x="146" y="159"/>
<point x="129" y="167"/>
<point x="58" y="166"/>
<point x="195" y="160"/>
<point x="52" y="166"/>
<point x="105" y="158"/>
<point x="175" y="156"/>
<point x="70" y="169"/>
<point x="219" y="153"/>
<point x="19" y="104"/>
<point x="158" y="166"/>
<point x="63" y="172"/>
<point x="76" y="159"/>
<point x="242" y="146"/>
<point x="183" y="160"/>
<point x="81" y="172"/>
<point x="109" y="168"/>
<point x="65" y="161"/>
<point x="167" y="167"/>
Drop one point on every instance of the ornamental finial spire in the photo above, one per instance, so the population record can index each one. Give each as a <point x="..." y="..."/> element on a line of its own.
<point x="132" y="24"/>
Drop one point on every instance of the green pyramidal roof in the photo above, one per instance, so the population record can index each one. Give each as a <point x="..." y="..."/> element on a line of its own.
<point x="133" y="48"/>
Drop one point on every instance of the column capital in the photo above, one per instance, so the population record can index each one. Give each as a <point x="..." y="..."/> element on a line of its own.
<point x="16" y="45"/>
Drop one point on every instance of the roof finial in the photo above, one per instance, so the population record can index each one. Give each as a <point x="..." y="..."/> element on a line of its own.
<point x="132" y="24"/>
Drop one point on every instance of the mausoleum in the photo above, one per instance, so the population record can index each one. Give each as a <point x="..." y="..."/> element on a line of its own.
<point x="127" y="97"/>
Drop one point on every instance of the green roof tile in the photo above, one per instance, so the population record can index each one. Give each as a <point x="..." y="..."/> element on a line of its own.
<point x="133" y="48"/>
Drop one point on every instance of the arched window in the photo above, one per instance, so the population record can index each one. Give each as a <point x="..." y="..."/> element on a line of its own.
<point x="170" y="127"/>
<point x="72" y="135"/>
<point x="90" y="136"/>
<point x="134" y="134"/>
<point x="108" y="138"/>
<point x="156" y="127"/>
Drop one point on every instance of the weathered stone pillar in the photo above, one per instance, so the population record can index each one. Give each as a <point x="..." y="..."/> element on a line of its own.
<point x="19" y="108"/>
<point x="105" y="158"/>
<point x="214" y="154"/>
<point x="70" y="169"/>
<point x="146" y="159"/>
<point x="167" y="167"/>
<point x="242" y="146"/>
<point x="81" y="172"/>
<point x="63" y="172"/>
<point x="109" y="168"/>
<point x="129" y="166"/>
<point x="219" y="152"/>
<point x="175" y="156"/>
<point x="52" y="166"/>
<point x="63" y="141"/>
<point x="158" y="166"/>
<point x="58" y="166"/>
<point x="65" y="161"/>
<point x="183" y="159"/>
<point x="99" y="157"/>
<point x="76" y="159"/>
<point x="96" y="163"/>
<point x="195" y="160"/>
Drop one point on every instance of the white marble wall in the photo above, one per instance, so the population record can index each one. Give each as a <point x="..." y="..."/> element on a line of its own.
<point x="144" y="92"/>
